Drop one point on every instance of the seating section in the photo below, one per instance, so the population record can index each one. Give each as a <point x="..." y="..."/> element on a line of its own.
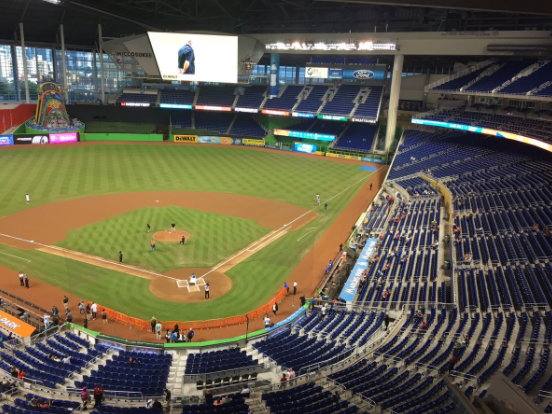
<point x="459" y="82"/>
<point x="316" y="339"/>
<point x="286" y="101"/>
<point x="216" y="95"/>
<point x="357" y="137"/>
<point x="505" y="73"/>
<point x="343" y="101"/>
<point x="370" y="108"/>
<point x="43" y="361"/>
<point x="246" y="126"/>
<point x="313" y="101"/>
<point x="525" y="84"/>
<point x="218" y="122"/>
<point x="253" y="97"/>
<point x="129" y="371"/>
<point x="177" y="97"/>
<point x="30" y="404"/>
<point x="145" y="98"/>
<point x="182" y="120"/>
<point x="213" y="361"/>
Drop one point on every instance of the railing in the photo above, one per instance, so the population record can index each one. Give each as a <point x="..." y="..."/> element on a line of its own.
<point x="113" y="393"/>
<point x="208" y="324"/>
<point x="225" y="373"/>
<point x="457" y="75"/>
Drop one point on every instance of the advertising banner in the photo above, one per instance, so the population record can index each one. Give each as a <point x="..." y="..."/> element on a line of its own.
<point x="6" y="140"/>
<point x="30" y="139"/>
<point x="248" y="110"/>
<point x="213" y="108"/>
<point x="363" y="74"/>
<point x="351" y="285"/>
<point x="15" y="325"/>
<point x="175" y="106"/>
<point x="307" y="148"/>
<point x="370" y="159"/>
<point x="203" y="139"/>
<point x="275" y="112"/>
<point x="185" y="138"/>
<point x="344" y="156"/>
<point x="318" y="73"/>
<point x="302" y="115"/>
<point x="253" y="142"/>
<point x="226" y="140"/>
<point x="236" y="141"/>
<point x="335" y="73"/>
<point x="64" y="138"/>
<point x="304" y="135"/>
<point x="332" y="117"/>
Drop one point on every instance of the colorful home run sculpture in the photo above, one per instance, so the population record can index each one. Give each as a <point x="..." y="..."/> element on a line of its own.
<point x="51" y="114"/>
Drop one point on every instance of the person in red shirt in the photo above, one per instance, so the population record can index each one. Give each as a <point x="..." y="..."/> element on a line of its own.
<point x="98" y="395"/>
<point x="424" y="325"/>
<point x="283" y="381"/>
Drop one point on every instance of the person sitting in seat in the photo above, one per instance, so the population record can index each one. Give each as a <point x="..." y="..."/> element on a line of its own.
<point x="420" y="313"/>
<point x="245" y="392"/>
<point x="45" y="404"/>
<point x="423" y="327"/>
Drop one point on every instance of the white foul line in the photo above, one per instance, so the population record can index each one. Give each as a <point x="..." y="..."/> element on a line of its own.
<point x="304" y="235"/>
<point x="99" y="259"/>
<point x="17" y="257"/>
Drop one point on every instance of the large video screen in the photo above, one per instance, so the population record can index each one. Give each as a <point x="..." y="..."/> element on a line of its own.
<point x="194" y="57"/>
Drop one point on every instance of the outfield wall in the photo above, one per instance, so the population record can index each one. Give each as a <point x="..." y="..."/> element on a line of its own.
<point x="12" y="117"/>
<point x="108" y="136"/>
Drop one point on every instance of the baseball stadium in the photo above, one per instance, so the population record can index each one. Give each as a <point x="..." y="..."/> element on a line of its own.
<point x="313" y="206"/>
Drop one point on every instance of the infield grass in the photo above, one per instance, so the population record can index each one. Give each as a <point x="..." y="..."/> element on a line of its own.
<point x="214" y="237"/>
<point x="55" y="174"/>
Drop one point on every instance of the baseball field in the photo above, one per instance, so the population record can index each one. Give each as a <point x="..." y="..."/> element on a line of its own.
<point x="249" y="216"/>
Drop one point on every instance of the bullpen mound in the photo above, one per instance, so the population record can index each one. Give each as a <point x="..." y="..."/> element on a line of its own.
<point x="170" y="236"/>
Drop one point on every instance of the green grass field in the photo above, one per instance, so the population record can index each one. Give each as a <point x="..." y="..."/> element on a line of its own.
<point x="214" y="237"/>
<point x="54" y="174"/>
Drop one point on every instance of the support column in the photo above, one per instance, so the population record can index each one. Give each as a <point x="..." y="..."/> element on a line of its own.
<point x="274" y="74"/>
<point x="24" y="56"/>
<point x="394" y="100"/>
<point x="63" y="63"/>
<point x="102" y="78"/>
<point x="95" y="77"/>
<point x="15" y="67"/>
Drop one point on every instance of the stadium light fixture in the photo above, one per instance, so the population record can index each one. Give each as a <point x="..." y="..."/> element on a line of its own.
<point x="332" y="45"/>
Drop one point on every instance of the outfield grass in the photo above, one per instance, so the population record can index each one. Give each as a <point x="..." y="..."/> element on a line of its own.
<point x="54" y="174"/>
<point x="214" y="237"/>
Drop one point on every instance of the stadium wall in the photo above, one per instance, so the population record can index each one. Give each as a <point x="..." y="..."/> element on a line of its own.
<point x="107" y="136"/>
<point x="11" y="117"/>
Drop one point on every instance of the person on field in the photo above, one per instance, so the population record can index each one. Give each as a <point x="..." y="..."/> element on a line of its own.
<point x="158" y="328"/>
<point x="190" y="335"/>
<point x="317" y="199"/>
<point x="81" y="307"/>
<point x="21" y="281"/>
<point x="153" y="249"/>
<point x="66" y="303"/>
<point x="26" y="281"/>
<point x="120" y="257"/>
<point x="286" y="287"/>
<point x="94" y="309"/>
<point x="295" y="287"/>
<point x="183" y="240"/>
<point x="153" y="323"/>
<point x="149" y="226"/>
<point x="275" y="308"/>
<point x="207" y="287"/>
<point x="69" y="316"/>
<point x="104" y="317"/>
<point x="28" y="198"/>
<point x="173" y="226"/>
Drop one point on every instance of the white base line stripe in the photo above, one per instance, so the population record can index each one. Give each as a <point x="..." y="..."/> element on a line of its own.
<point x="17" y="257"/>
<point x="304" y="235"/>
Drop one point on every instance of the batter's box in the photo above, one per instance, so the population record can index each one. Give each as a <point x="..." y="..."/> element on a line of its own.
<point x="191" y="288"/>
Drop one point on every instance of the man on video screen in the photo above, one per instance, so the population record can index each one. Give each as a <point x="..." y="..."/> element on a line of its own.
<point x="186" y="59"/>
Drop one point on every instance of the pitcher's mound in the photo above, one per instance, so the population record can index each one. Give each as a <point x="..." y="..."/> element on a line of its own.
<point x="164" y="288"/>
<point x="170" y="236"/>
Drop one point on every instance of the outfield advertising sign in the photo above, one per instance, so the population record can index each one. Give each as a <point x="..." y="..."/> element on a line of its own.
<point x="236" y="141"/>
<point x="185" y="138"/>
<point x="226" y="140"/>
<point x="31" y="139"/>
<point x="6" y="140"/>
<point x="64" y="138"/>
<point x="306" y="148"/>
<point x="335" y="73"/>
<point x="253" y="142"/>
<point x="351" y="285"/>
<point x="203" y="139"/>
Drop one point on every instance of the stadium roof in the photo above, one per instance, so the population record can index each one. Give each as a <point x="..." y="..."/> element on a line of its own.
<point x="126" y="17"/>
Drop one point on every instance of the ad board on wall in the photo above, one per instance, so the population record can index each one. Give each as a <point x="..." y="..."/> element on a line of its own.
<point x="316" y="73"/>
<point x="195" y="57"/>
<point x="64" y="138"/>
<point x="31" y="139"/>
<point x="6" y="140"/>
<point x="203" y="139"/>
<point x="306" y="148"/>
<point x="185" y="138"/>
